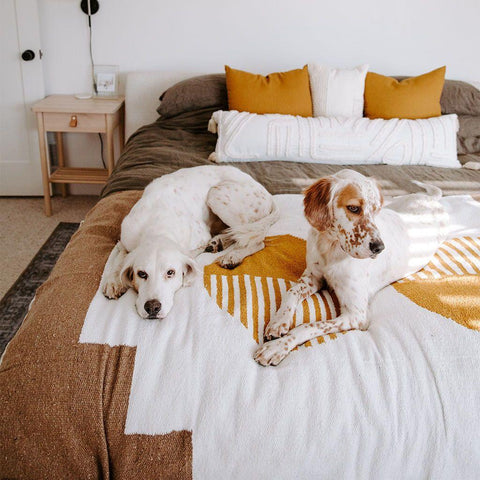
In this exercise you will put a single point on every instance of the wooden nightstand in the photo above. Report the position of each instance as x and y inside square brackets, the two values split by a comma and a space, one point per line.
[65, 113]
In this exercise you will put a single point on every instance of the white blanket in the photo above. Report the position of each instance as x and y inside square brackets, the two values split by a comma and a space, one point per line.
[400, 400]
[246, 136]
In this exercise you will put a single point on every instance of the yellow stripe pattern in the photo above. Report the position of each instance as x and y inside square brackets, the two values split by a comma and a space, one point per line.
[459, 256]
[252, 293]
[450, 283]
[252, 300]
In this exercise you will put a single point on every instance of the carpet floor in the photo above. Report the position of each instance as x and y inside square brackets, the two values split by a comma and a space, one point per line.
[15, 304]
[24, 228]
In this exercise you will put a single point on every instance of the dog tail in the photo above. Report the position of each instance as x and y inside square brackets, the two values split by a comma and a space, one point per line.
[253, 233]
[432, 190]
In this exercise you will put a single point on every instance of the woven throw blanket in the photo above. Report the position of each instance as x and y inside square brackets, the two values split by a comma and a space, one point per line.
[244, 136]
[397, 401]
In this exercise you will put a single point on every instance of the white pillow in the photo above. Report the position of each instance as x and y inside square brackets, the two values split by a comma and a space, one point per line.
[244, 136]
[337, 92]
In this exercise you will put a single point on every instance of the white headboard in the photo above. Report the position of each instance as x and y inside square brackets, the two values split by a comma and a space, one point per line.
[142, 90]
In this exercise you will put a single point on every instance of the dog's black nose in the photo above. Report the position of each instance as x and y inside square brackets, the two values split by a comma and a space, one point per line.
[152, 307]
[377, 246]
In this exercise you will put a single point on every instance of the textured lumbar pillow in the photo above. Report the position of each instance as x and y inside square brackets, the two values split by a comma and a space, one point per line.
[415, 97]
[336, 140]
[285, 92]
[337, 92]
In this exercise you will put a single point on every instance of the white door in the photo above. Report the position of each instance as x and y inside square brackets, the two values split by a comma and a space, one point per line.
[21, 85]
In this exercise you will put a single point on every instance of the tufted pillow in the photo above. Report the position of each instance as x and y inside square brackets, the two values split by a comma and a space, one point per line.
[196, 93]
[246, 137]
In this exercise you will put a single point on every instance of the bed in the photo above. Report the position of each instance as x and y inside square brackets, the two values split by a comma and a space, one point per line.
[89, 390]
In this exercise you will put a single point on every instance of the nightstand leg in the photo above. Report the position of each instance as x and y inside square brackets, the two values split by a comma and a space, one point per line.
[43, 160]
[110, 151]
[121, 130]
[61, 161]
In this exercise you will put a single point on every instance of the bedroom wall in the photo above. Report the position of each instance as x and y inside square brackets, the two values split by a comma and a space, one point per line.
[394, 37]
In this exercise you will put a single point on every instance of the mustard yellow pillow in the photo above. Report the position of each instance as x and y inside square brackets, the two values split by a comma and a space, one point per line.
[415, 97]
[287, 93]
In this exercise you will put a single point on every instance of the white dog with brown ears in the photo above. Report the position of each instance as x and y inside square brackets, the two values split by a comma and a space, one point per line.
[349, 230]
[174, 220]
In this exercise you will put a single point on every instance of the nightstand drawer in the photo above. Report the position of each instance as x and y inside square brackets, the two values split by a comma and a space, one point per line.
[74, 122]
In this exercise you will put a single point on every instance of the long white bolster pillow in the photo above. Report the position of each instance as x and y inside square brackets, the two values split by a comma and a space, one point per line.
[244, 136]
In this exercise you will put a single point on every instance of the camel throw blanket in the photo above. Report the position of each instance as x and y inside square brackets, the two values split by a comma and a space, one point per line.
[89, 389]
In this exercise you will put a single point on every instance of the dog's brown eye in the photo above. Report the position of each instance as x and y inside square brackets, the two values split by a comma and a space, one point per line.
[142, 274]
[170, 273]
[353, 208]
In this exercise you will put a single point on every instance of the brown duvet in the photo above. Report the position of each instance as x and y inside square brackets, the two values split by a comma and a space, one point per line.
[183, 141]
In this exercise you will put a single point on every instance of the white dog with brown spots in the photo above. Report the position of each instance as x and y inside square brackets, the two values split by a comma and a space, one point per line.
[349, 230]
[174, 221]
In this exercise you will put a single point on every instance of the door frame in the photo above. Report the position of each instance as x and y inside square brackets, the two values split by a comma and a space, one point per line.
[33, 86]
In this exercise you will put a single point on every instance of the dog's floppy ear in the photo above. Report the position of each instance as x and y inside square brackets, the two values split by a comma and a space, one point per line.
[127, 274]
[379, 187]
[317, 204]
[190, 271]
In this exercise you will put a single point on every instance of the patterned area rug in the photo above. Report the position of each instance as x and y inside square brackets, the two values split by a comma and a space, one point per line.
[14, 305]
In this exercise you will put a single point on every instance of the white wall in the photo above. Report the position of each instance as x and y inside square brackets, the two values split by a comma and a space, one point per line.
[393, 36]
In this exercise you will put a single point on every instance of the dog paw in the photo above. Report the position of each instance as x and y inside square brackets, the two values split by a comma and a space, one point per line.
[272, 353]
[113, 290]
[276, 330]
[230, 261]
[279, 325]
[229, 266]
[215, 245]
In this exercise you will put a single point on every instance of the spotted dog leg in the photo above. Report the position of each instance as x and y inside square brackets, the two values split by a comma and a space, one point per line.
[218, 243]
[235, 255]
[353, 299]
[240, 205]
[273, 352]
[281, 323]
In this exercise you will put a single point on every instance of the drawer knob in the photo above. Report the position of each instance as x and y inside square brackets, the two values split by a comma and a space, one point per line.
[73, 121]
